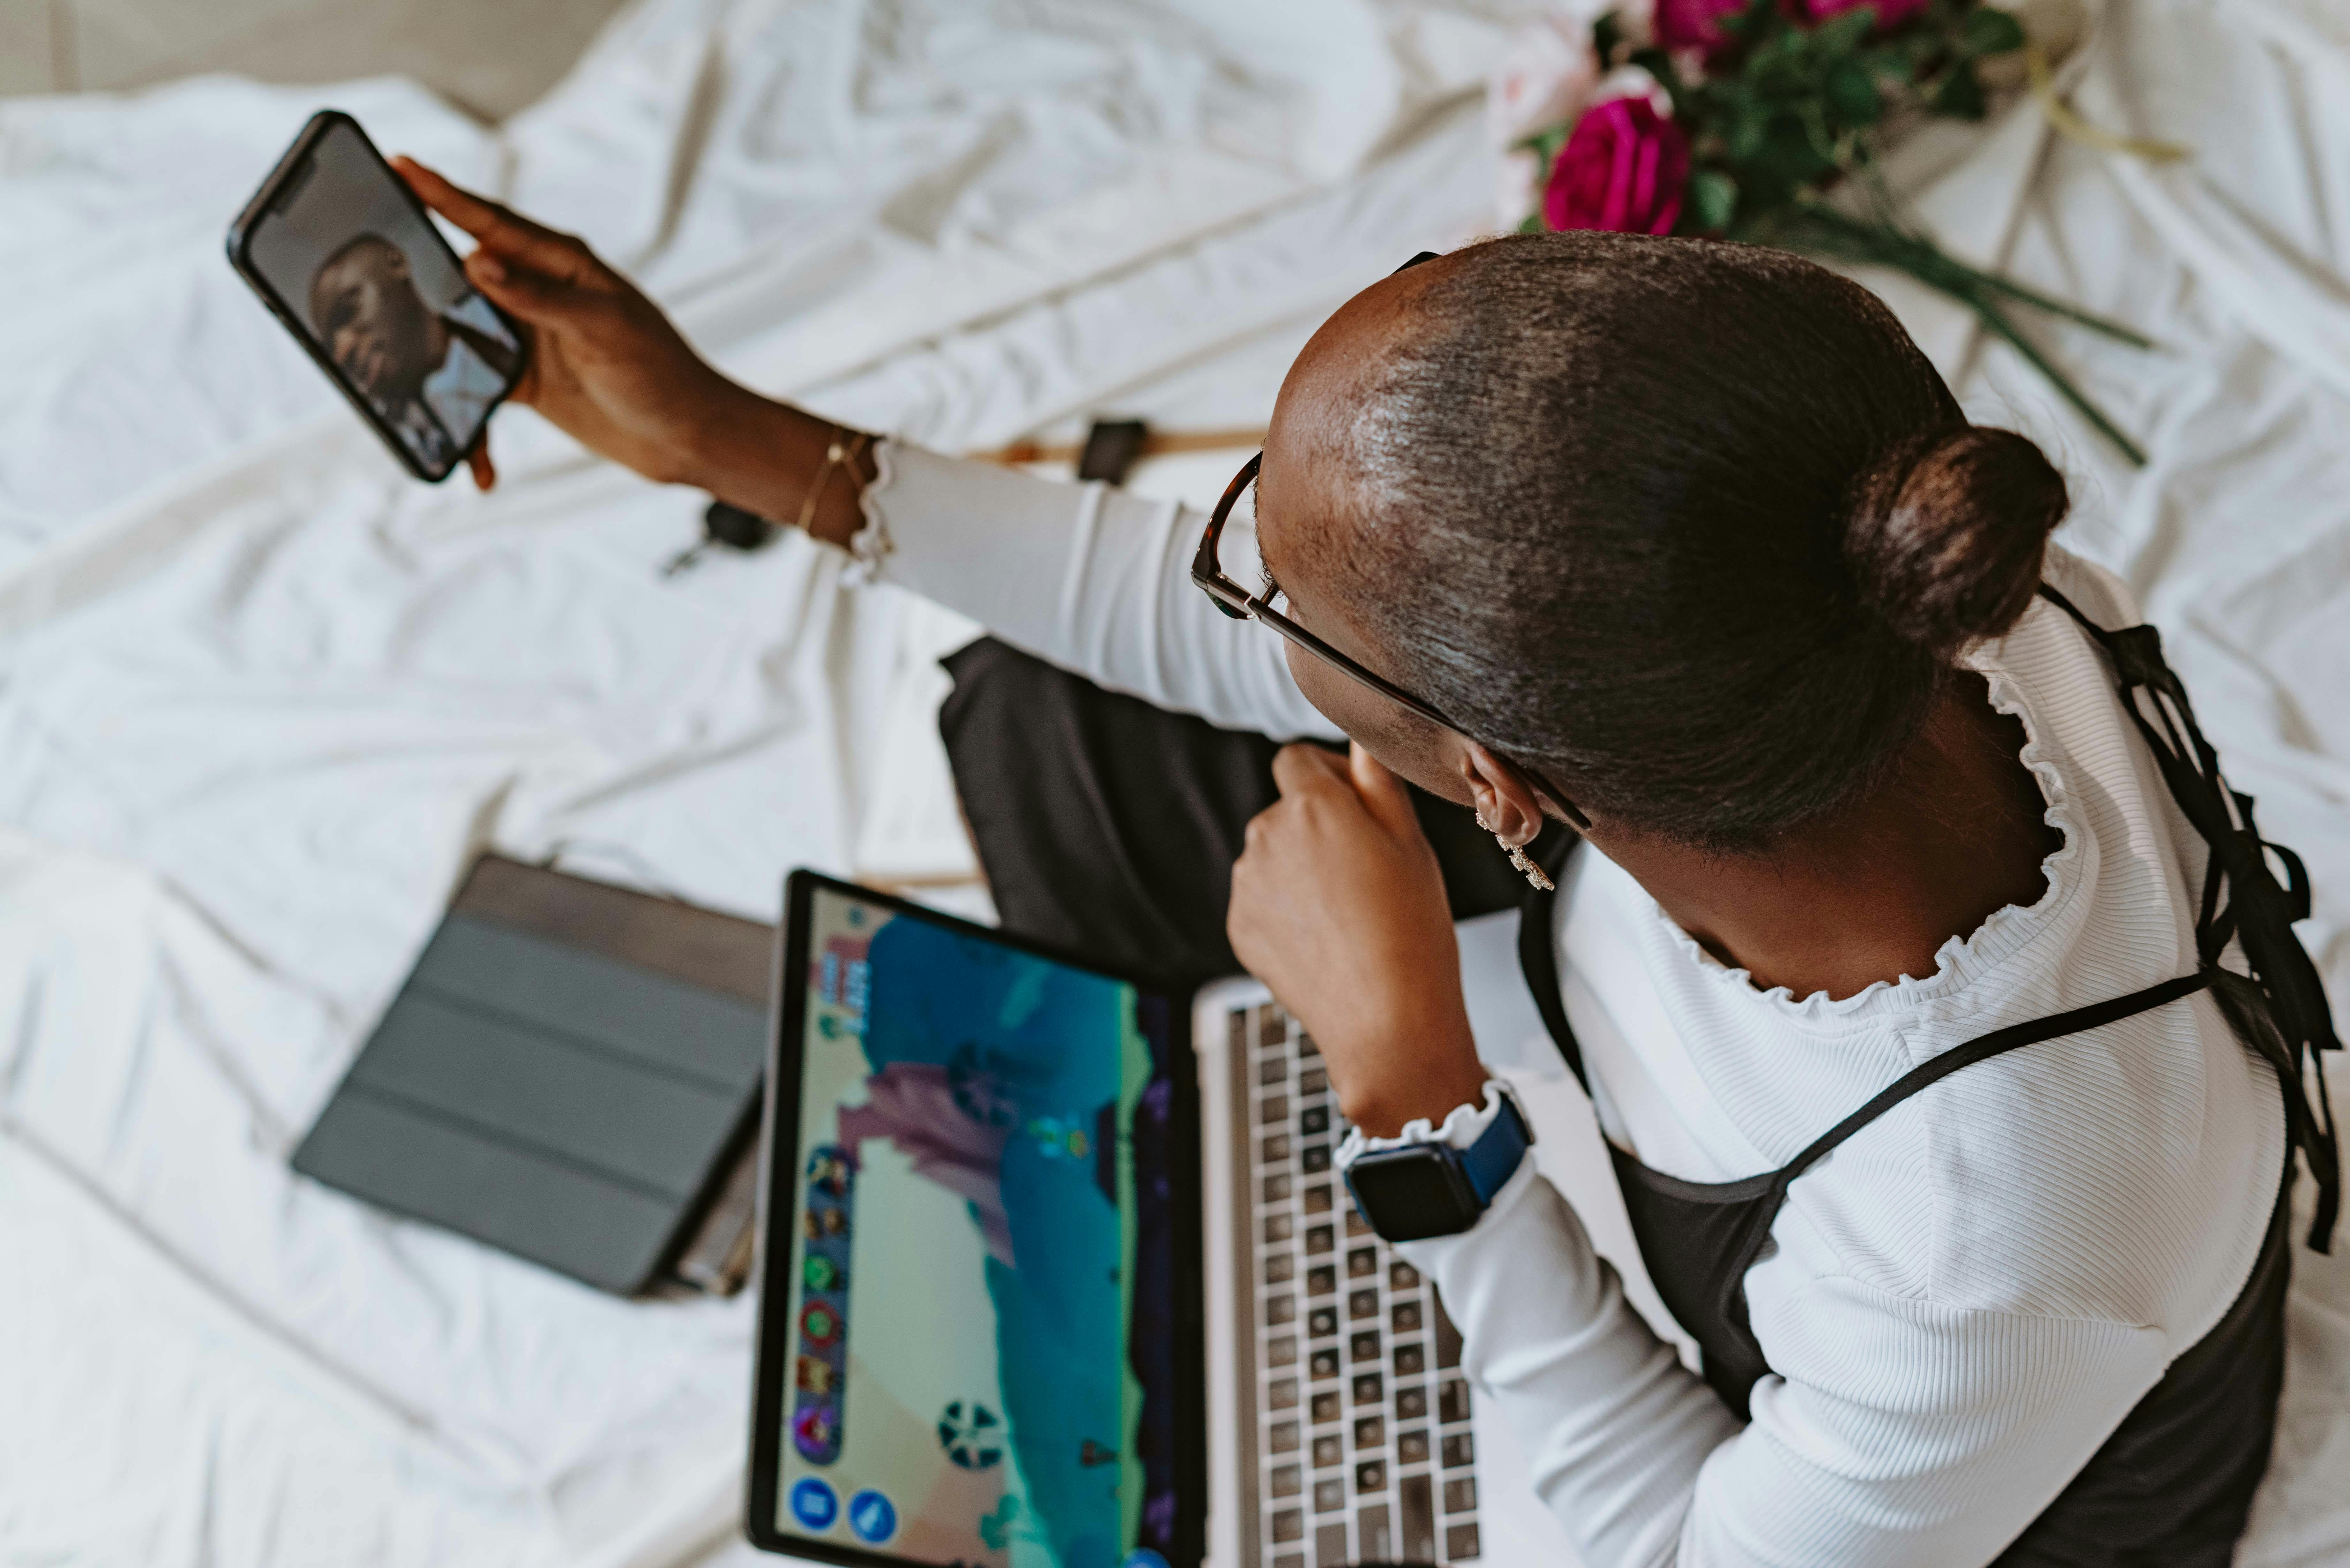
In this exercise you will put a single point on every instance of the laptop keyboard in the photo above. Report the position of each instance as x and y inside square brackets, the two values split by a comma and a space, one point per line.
[1363, 1449]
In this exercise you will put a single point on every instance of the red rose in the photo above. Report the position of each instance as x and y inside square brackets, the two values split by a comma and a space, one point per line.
[1889, 12]
[1622, 169]
[1694, 23]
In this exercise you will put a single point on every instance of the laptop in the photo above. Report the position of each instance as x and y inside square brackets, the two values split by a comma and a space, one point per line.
[1057, 1268]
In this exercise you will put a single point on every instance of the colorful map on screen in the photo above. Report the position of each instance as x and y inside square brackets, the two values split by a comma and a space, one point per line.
[982, 1258]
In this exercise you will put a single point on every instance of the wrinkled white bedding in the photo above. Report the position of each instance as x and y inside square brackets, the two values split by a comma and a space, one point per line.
[261, 696]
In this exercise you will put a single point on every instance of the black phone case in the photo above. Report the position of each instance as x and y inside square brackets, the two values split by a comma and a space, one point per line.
[240, 234]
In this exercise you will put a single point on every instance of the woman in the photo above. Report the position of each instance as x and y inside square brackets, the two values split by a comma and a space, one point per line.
[1885, 890]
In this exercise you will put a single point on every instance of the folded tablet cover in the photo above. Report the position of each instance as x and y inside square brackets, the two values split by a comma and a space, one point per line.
[561, 1075]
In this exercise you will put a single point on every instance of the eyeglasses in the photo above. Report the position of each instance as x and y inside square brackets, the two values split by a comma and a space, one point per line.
[1240, 605]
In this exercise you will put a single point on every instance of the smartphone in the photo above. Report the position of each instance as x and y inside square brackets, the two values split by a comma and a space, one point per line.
[341, 252]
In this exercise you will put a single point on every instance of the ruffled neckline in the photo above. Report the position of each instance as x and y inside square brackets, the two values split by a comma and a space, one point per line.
[1962, 960]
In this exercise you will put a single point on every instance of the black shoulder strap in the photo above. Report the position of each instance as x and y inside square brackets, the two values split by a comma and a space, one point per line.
[1538, 960]
[2282, 1014]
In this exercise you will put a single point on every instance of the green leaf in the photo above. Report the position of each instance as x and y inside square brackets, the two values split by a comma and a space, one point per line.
[1533, 223]
[1607, 37]
[1712, 200]
[1990, 31]
[1843, 35]
[1851, 95]
[1960, 95]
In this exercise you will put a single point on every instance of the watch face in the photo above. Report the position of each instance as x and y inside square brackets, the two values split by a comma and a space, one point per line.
[1412, 1192]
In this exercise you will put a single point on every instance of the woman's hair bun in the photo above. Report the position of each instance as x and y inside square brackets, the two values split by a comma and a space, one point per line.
[1947, 532]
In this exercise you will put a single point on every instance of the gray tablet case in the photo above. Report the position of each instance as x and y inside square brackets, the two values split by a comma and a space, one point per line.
[570, 1072]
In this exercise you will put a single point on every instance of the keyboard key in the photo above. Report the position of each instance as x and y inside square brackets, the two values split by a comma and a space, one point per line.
[1289, 1525]
[1314, 1120]
[1326, 1409]
[1318, 1198]
[1290, 1559]
[1416, 1501]
[1282, 1394]
[1411, 1448]
[1363, 1346]
[1362, 1305]
[1276, 1188]
[1313, 1081]
[1271, 1071]
[1405, 1317]
[1280, 1309]
[1458, 1450]
[1369, 1388]
[1448, 1339]
[1313, 1157]
[1411, 1404]
[1323, 1364]
[1453, 1402]
[1460, 1541]
[1280, 1228]
[1330, 1497]
[1411, 1360]
[1363, 1263]
[1283, 1436]
[1322, 1322]
[1372, 1532]
[1318, 1239]
[1321, 1280]
[1461, 1496]
[1275, 1148]
[1370, 1476]
[1326, 1451]
[1330, 1545]
[1402, 1276]
[1356, 1224]
[1288, 1481]
[1371, 1432]
[1272, 1025]
[1281, 1351]
[1306, 1046]
[1273, 1110]
[1280, 1269]
[1236, 1030]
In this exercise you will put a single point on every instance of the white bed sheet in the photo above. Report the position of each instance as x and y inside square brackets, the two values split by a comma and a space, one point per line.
[261, 697]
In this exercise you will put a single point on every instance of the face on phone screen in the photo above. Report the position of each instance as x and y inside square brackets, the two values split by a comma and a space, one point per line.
[362, 273]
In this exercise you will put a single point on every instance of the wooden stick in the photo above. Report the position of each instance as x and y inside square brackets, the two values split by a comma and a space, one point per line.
[1157, 443]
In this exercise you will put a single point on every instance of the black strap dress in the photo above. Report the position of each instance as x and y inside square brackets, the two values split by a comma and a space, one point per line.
[2175, 1481]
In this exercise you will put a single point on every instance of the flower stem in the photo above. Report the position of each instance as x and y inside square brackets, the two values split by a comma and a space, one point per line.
[1830, 232]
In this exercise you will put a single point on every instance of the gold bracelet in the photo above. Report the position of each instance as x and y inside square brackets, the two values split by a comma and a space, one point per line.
[837, 454]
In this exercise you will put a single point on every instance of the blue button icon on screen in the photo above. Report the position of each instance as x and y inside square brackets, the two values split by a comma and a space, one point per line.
[873, 1517]
[813, 1505]
[1143, 1557]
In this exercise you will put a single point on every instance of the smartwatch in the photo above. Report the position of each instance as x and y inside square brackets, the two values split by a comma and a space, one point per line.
[1421, 1190]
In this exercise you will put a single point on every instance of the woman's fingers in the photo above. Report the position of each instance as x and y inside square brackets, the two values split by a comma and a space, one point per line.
[531, 294]
[1382, 793]
[1300, 767]
[485, 473]
[499, 227]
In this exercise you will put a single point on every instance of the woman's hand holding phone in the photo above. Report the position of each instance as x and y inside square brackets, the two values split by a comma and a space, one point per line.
[607, 367]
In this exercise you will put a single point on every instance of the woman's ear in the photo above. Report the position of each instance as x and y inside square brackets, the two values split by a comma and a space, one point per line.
[1505, 800]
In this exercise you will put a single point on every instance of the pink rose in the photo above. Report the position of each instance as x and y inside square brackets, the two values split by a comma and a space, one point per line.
[1622, 169]
[1889, 12]
[1696, 24]
[1547, 81]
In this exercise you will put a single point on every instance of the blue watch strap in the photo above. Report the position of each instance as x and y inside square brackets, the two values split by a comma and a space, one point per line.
[1493, 1160]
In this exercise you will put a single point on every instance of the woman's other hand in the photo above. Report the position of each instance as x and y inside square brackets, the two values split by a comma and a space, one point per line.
[1339, 906]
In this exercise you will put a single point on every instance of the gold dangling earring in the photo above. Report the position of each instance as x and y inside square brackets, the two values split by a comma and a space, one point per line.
[1520, 859]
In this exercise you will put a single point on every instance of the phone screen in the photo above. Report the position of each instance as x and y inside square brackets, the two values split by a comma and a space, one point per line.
[358, 269]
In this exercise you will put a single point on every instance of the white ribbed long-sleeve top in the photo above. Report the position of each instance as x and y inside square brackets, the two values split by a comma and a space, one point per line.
[1962, 1301]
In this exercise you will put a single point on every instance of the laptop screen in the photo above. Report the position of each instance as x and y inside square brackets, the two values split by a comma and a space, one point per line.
[976, 1357]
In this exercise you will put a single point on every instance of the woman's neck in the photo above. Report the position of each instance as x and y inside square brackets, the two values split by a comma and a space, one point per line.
[1873, 892]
